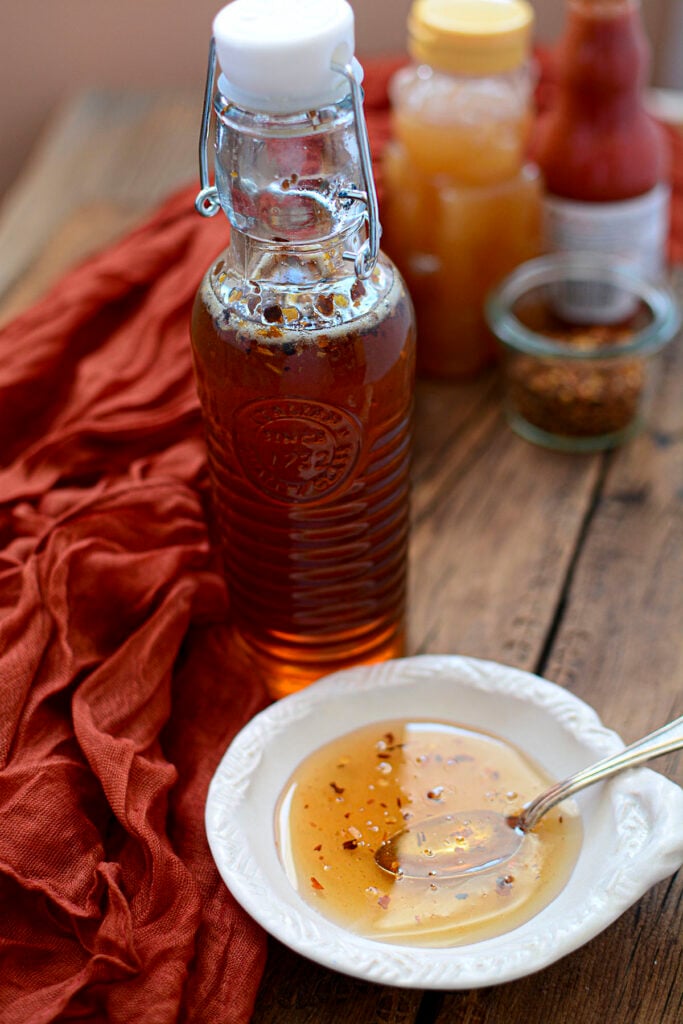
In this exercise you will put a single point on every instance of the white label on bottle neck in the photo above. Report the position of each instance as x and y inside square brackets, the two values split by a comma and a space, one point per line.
[634, 230]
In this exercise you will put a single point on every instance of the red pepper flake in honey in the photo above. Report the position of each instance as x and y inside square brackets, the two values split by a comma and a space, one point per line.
[350, 844]
[325, 305]
[357, 290]
[338, 789]
[315, 883]
[384, 901]
[273, 314]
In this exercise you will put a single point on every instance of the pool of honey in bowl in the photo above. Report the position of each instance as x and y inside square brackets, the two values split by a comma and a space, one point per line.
[350, 795]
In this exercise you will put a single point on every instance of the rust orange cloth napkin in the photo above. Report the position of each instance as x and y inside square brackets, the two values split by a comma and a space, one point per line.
[116, 698]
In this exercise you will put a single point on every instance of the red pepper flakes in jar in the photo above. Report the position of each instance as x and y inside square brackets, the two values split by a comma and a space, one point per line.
[578, 398]
[579, 331]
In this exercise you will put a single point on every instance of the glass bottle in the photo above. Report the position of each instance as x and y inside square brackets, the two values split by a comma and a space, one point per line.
[462, 203]
[303, 347]
[604, 159]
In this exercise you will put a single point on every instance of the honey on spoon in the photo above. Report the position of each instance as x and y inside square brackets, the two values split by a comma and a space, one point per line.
[459, 844]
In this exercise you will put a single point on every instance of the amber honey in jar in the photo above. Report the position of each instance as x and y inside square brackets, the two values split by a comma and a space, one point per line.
[462, 204]
[303, 346]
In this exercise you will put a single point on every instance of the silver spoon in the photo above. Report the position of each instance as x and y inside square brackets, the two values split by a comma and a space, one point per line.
[452, 845]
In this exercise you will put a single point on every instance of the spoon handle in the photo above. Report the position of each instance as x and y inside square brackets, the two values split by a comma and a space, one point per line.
[662, 741]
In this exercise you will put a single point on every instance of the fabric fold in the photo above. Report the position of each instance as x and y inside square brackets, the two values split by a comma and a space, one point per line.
[118, 695]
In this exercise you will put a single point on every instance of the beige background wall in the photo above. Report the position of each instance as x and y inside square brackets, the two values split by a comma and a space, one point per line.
[52, 48]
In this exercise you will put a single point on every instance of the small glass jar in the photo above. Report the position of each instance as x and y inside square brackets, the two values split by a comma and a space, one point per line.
[579, 383]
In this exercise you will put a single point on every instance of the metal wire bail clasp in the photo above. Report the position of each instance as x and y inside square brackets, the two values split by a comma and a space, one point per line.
[365, 259]
[207, 202]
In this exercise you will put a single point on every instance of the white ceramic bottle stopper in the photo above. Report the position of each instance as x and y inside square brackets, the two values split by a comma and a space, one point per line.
[278, 55]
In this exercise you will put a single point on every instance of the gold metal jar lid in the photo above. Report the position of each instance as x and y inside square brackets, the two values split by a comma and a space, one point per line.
[471, 37]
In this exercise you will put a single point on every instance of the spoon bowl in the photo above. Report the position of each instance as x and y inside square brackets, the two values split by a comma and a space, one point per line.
[450, 846]
[456, 844]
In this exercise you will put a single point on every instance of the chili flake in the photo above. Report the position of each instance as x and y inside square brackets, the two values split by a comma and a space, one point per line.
[357, 290]
[325, 305]
[273, 314]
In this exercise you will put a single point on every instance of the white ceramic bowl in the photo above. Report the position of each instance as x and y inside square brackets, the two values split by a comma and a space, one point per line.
[633, 824]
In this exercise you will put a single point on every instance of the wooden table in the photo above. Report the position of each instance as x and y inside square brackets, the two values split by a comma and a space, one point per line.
[568, 566]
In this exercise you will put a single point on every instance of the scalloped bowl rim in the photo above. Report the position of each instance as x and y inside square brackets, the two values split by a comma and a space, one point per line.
[633, 823]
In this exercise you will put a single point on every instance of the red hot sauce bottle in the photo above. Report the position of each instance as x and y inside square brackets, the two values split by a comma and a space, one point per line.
[303, 346]
[604, 159]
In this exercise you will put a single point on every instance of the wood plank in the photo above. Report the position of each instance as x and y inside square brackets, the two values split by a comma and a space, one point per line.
[80, 234]
[618, 646]
[298, 991]
[622, 625]
[496, 521]
[103, 150]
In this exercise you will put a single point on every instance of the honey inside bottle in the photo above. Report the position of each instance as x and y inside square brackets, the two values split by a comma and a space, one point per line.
[308, 433]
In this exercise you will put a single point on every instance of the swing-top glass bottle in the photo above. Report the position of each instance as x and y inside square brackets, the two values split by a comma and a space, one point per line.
[303, 346]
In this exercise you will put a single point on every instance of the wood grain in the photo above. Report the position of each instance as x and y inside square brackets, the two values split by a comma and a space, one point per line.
[571, 566]
[295, 990]
[495, 526]
[122, 151]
